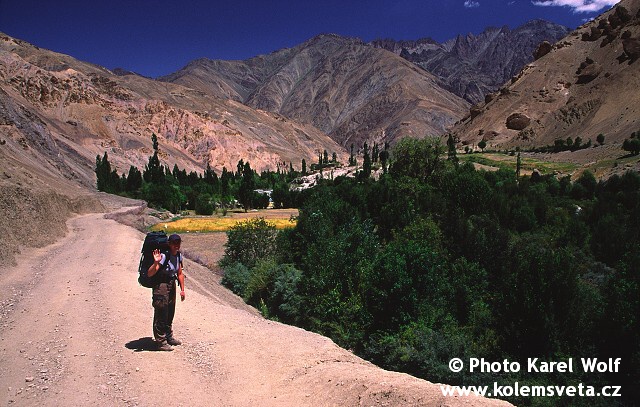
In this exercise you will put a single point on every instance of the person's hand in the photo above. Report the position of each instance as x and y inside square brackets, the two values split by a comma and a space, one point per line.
[157, 256]
[182, 295]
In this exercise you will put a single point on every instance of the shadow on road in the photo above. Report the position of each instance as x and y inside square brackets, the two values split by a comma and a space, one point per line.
[142, 344]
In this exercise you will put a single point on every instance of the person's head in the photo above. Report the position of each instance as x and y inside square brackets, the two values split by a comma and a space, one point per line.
[174, 243]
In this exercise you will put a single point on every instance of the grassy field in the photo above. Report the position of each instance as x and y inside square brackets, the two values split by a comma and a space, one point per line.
[528, 164]
[209, 224]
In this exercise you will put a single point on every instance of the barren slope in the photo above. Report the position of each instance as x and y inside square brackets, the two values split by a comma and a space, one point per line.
[76, 331]
[473, 65]
[347, 89]
[586, 85]
[86, 110]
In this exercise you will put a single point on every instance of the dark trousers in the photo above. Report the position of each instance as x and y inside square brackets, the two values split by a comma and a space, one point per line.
[164, 308]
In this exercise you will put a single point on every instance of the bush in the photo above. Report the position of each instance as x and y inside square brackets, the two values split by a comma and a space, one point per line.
[250, 241]
[260, 281]
[204, 205]
[273, 288]
[236, 277]
[285, 294]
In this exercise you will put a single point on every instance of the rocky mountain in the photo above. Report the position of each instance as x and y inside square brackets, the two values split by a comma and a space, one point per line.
[61, 113]
[582, 86]
[472, 66]
[349, 90]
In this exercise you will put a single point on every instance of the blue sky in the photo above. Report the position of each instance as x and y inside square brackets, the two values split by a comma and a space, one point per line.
[158, 37]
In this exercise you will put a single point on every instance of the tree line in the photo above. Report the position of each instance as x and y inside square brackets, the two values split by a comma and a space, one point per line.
[176, 190]
[437, 260]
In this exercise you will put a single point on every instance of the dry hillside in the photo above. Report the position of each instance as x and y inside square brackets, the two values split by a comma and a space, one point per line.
[473, 65]
[86, 110]
[57, 114]
[584, 85]
[350, 90]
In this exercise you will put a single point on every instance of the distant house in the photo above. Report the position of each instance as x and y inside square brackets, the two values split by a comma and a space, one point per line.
[264, 192]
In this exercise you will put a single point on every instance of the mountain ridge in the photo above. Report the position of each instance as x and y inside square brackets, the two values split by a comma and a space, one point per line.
[95, 109]
[472, 66]
[347, 89]
[585, 85]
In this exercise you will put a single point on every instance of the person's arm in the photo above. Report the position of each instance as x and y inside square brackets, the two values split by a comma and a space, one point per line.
[157, 261]
[181, 281]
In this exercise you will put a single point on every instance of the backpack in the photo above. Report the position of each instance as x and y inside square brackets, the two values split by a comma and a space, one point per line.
[152, 241]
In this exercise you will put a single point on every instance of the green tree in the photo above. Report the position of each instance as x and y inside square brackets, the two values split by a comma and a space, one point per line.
[577, 143]
[211, 178]
[600, 139]
[134, 180]
[247, 185]
[482, 144]
[632, 145]
[204, 204]
[103, 173]
[417, 158]
[250, 241]
[352, 158]
[153, 172]
[569, 142]
[375, 154]
[384, 157]
[451, 150]
[366, 164]
[107, 179]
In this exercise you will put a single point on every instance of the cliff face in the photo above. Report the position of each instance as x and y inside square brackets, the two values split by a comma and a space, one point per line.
[345, 88]
[63, 112]
[472, 66]
[587, 84]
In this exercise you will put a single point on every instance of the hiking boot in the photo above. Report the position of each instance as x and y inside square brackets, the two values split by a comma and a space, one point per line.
[173, 341]
[164, 346]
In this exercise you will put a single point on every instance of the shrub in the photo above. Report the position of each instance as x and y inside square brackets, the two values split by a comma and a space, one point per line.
[250, 241]
[204, 205]
[236, 277]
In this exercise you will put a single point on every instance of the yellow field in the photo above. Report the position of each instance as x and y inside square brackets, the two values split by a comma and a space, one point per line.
[213, 224]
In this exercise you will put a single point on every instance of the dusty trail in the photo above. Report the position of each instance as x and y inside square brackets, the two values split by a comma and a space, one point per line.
[75, 329]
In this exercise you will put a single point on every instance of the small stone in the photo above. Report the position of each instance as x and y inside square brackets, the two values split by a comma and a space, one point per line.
[28, 379]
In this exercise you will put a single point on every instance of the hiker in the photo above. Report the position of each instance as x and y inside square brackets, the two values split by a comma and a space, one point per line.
[164, 292]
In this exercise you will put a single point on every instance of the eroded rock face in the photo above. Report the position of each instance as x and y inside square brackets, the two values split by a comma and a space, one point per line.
[588, 71]
[518, 121]
[543, 49]
[472, 66]
[475, 111]
[347, 89]
[67, 111]
[604, 102]
[631, 47]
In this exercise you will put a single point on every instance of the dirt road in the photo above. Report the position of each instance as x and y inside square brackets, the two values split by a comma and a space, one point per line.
[75, 330]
